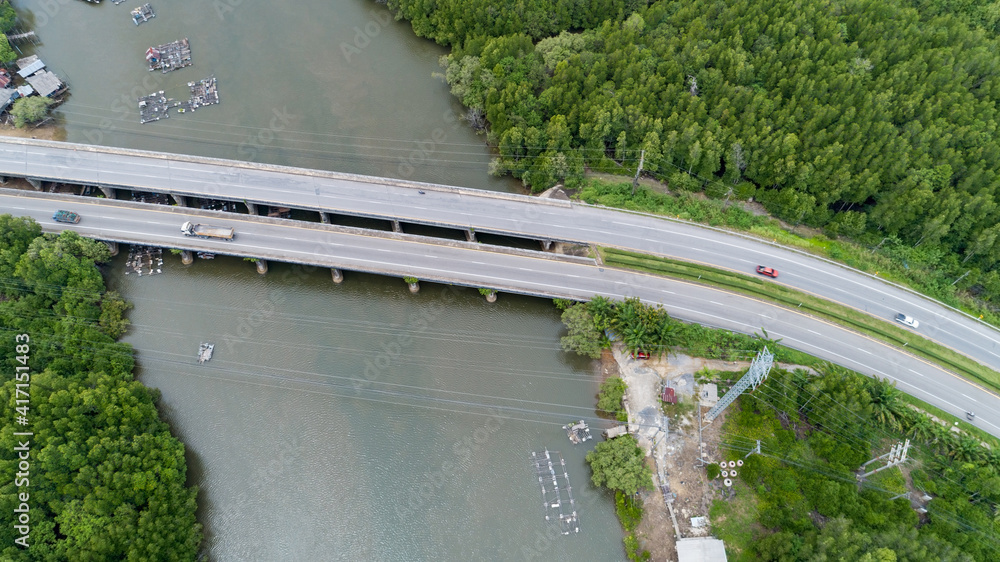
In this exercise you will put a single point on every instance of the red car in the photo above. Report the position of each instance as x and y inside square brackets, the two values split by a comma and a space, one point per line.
[640, 355]
[769, 271]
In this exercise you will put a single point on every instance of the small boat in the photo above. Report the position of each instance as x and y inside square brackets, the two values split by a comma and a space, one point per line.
[205, 352]
[206, 256]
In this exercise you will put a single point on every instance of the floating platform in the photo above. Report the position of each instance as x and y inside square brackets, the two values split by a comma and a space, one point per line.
[557, 494]
[205, 352]
[578, 432]
[203, 92]
[143, 14]
[144, 260]
[171, 56]
[157, 106]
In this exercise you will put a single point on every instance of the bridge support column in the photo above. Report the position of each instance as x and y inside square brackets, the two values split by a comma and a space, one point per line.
[187, 258]
[113, 247]
[262, 266]
[338, 277]
[491, 296]
[414, 287]
[396, 227]
[546, 245]
[35, 183]
[179, 200]
[324, 218]
[3, 180]
[251, 207]
[470, 235]
[108, 192]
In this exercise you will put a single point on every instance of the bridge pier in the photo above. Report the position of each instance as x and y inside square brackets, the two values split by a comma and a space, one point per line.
[262, 266]
[546, 245]
[187, 258]
[470, 235]
[491, 297]
[35, 183]
[108, 192]
[179, 200]
[414, 287]
[338, 277]
[325, 219]
[113, 247]
[251, 207]
[397, 228]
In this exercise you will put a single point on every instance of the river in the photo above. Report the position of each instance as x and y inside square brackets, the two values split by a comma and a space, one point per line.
[327, 85]
[362, 422]
[335, 422]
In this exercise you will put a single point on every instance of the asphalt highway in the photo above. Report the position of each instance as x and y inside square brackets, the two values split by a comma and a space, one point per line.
[534, 273]
[498, 213]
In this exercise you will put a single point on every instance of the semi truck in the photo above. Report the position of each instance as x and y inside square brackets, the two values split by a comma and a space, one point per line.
[204, 231]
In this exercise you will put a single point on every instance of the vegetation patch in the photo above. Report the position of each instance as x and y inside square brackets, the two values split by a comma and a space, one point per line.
[107, 479]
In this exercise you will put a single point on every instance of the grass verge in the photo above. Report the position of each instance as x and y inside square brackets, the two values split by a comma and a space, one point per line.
[840, 314]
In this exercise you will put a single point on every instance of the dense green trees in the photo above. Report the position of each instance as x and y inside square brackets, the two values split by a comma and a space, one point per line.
[619, 464]
[29, 110]
[866, 117]
[815, 432]
[107, 480]
[609, 399]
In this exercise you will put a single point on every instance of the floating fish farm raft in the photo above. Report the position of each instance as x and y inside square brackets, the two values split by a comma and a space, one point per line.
[157, 106]
[143, 14]
[557, 494]
[170, 56]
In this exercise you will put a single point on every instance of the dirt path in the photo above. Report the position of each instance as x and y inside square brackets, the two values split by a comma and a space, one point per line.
[677, 452]
[45, 132]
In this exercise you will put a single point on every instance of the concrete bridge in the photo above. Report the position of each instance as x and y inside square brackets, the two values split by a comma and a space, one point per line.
[402, 203]
[507, 270]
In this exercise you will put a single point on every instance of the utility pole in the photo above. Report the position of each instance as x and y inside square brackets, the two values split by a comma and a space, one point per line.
[635, 182]
[953, 282]
[896, 456]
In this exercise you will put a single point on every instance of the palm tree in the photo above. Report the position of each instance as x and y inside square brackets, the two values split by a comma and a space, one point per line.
[887, 404]
[967, 449]
[923, 429]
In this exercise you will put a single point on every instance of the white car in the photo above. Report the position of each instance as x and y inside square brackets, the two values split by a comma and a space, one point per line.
[907, 320]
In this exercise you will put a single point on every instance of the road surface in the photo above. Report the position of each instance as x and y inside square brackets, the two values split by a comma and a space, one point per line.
[493, 212]
[533, 273]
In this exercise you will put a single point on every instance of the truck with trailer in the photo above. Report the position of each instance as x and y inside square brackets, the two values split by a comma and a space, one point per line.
[205, 231]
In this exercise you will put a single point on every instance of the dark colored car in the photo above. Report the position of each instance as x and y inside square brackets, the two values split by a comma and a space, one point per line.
[769, 271]
[66, 216]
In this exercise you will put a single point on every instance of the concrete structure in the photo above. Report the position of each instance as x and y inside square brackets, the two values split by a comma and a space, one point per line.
[701, 549]
[489, 212]
[505, 269]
